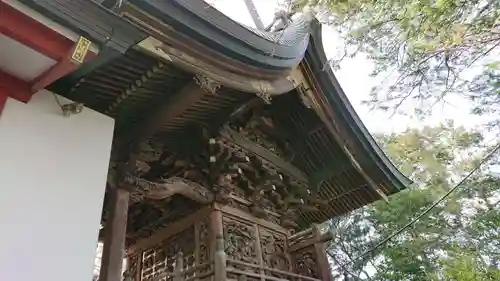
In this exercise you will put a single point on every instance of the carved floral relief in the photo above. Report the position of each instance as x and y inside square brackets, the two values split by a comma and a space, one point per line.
[239, 239]
[204, 242]
[273, 249]
[305, 263]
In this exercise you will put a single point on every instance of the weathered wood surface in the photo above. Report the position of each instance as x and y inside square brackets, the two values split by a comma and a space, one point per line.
[168, 188]
[114, 241]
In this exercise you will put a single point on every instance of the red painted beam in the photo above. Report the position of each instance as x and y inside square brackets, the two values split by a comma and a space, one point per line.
[33, 34]
[65, 66]
[41, 39]
[13, 87]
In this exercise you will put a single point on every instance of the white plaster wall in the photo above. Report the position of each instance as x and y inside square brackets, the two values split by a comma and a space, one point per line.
[52, 181]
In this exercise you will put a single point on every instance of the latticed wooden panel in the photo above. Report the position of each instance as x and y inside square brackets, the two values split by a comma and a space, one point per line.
[162, 257]
[158, 263]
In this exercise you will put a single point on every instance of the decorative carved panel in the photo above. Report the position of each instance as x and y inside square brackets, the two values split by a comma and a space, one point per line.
[305, 263]
[239, 239]
[209, 85]
[273, 245]
[149, 217]
[203, 242]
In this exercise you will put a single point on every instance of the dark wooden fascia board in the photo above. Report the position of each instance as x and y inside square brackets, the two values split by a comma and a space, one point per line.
[367, 150]
[205, 24]
[92, 20]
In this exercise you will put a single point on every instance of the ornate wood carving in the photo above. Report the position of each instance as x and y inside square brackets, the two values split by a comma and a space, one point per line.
[148, 217]
[257, 251]
[269, 182]
[239, 241]
[243, 165]
[265, 96]
[209, 85]
[147, 152]
[168, 188]
[203, 242]
[305, 263]
[273, 246]
[305, 99]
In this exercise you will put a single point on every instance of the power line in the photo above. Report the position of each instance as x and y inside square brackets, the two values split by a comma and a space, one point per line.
[416, 219]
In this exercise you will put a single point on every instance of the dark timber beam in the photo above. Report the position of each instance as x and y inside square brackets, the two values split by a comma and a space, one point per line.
[133, 86]
[193, 92]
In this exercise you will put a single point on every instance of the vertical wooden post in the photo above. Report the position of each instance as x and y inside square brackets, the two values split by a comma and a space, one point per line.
[258, 250]
[114, 238]
[220, 264]
[215, 220]
[321, 256]
[217, 245]
[179, 267]
[197, 243]
[138, 275]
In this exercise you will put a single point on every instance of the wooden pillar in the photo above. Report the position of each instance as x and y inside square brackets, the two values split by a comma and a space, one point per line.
[220, 264]
[114, 237]
[321, 256]
[215, 220]
[258, 251]
[217, 245]
[179, 267]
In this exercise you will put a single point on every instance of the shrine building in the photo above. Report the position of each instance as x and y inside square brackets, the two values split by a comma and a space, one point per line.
[193, 147]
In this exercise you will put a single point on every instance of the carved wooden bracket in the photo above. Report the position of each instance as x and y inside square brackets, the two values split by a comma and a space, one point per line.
[304, 97]
[265, 96]
[269, 158]
[168, 188]
[207, 84]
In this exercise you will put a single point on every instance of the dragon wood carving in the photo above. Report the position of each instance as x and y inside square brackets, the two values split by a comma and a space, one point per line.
[168, 188]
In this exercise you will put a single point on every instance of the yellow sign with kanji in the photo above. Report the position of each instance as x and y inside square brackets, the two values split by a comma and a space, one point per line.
[81, 50]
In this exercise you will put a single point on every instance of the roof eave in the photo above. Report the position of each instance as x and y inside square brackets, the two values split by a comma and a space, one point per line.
[200, 21]
[368, 153]
[92, 20]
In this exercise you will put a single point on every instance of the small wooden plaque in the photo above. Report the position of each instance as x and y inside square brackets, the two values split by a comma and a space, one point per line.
[81, 50]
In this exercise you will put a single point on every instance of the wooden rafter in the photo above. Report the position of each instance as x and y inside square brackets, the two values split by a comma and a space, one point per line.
[187, 96]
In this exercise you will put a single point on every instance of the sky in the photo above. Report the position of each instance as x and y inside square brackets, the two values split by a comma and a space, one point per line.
[354, 78]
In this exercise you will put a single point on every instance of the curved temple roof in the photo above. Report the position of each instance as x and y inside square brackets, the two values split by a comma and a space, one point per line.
[190, 38]
[301, 41]
[197, 19]
[365, 150]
